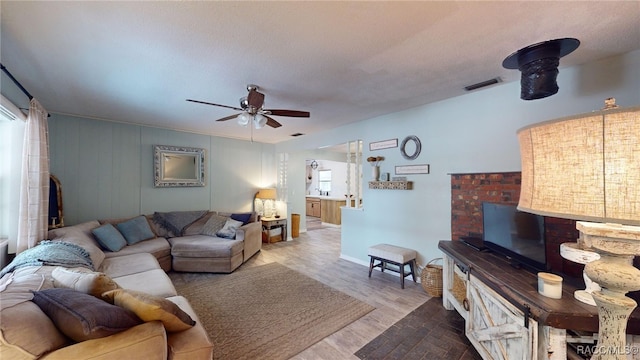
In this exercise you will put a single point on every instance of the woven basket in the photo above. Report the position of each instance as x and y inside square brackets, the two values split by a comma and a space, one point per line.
[459, 289]
[431, 278]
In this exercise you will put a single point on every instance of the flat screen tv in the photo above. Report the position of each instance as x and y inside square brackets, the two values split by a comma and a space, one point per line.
[515, 234]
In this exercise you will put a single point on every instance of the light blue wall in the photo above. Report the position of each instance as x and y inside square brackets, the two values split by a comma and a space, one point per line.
[471, 133]
[106, 170]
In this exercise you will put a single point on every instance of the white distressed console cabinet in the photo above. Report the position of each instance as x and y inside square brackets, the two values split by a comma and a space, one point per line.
[505, 316]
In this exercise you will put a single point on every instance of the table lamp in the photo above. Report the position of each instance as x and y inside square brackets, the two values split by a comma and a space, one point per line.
[587, 168]
[264, 195]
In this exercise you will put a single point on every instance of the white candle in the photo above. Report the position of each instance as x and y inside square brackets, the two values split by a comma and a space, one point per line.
[550, 285]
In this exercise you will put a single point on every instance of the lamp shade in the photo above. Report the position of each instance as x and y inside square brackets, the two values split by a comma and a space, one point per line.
[259, 121]
[244, 118]
[266, 194]
[584, 167]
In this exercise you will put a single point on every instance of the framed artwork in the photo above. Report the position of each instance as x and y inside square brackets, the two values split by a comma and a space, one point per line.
[384, 144]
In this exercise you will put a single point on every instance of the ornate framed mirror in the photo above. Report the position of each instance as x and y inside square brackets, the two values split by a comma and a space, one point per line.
[175, 166]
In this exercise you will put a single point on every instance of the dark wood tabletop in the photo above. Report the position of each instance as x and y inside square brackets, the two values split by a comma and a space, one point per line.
[520, 287]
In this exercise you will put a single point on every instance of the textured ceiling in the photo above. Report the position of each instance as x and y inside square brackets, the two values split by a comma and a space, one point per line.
[137, 62]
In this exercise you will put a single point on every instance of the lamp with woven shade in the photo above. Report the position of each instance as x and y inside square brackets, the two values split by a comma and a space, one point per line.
[264, 195]
[587, 168]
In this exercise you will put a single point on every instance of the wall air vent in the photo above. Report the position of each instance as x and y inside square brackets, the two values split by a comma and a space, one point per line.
[483, 84]
[297, 134]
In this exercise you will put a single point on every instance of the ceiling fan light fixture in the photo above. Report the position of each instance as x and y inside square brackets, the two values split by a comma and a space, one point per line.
[259, 121]
[243, 119]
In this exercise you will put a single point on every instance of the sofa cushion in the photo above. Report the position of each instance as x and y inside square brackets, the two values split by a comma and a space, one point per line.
[149, 308]
[109, 237]
[83, 280]
[146, 341]
[118, 266]
[80, 234]
[20, 318]
[213, 225]
[203, 246]
[135, 230]
[229, 229]
[27, 332]
[81, 316]
[190, 344]
[15, 290]
[155, 282]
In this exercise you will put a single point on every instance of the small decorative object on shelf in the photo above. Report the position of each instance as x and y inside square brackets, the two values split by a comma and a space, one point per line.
[375, 170]
[391, 185]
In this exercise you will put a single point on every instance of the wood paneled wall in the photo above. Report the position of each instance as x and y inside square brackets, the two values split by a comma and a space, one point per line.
[106, 170]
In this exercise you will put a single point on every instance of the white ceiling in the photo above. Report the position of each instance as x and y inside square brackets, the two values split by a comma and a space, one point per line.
[342, 61]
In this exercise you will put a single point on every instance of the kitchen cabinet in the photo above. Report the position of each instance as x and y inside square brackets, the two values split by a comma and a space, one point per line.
[313, 207]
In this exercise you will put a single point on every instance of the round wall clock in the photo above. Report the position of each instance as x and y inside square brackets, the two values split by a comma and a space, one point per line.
[414, 147]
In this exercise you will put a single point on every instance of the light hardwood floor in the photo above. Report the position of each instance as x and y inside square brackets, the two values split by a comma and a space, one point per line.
[316, 253]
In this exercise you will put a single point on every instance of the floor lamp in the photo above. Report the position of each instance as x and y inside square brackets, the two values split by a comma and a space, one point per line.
[265, 195]
[587, 168]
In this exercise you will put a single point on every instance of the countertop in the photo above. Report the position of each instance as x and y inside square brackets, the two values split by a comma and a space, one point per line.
[324, 197]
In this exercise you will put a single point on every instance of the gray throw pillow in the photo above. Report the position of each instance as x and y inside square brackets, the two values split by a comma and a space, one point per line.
[82, 316]
[213, 225]
[136, 230]
[229, 229]
[109, 237]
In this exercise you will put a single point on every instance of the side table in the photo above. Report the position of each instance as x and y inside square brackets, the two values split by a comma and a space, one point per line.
[274, 223]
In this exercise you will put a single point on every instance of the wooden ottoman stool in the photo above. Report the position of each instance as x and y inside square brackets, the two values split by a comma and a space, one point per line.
[395, 255]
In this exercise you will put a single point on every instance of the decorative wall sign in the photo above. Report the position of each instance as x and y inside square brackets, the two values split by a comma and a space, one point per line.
[384, 144]
[417, 147]
[412, 169]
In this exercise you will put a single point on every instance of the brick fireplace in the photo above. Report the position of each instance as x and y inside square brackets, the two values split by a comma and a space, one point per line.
[468, 191]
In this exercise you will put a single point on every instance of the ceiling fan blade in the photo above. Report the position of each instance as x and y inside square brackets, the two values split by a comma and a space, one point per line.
[271, 122]
[208, 103]
[255, 98]
[228, 117]
[291, 113]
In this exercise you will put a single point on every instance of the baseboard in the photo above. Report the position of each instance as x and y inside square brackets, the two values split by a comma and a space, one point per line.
[354, 260]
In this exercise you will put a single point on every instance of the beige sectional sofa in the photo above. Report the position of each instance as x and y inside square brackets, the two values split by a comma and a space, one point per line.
[26, 332]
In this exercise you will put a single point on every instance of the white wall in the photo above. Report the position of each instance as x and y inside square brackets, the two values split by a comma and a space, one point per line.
[471, 133]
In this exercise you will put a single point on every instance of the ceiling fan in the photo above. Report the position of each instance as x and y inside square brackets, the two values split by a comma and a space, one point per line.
[252, 110]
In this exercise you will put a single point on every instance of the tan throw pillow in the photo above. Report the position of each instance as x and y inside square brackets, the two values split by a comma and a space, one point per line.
[83, 280]
[149, 308]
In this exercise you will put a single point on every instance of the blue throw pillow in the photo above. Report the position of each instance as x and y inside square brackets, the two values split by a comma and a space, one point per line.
[244, 217]
[109, 237]
[136, 230]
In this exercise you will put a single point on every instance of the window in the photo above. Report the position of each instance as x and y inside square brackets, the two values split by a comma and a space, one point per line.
[11, 137]
[324, 181]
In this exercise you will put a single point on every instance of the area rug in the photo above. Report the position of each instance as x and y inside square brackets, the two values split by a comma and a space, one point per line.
[428, 332]
[268, 311]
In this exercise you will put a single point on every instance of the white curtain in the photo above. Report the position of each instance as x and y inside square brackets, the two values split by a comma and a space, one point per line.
[34, 188]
